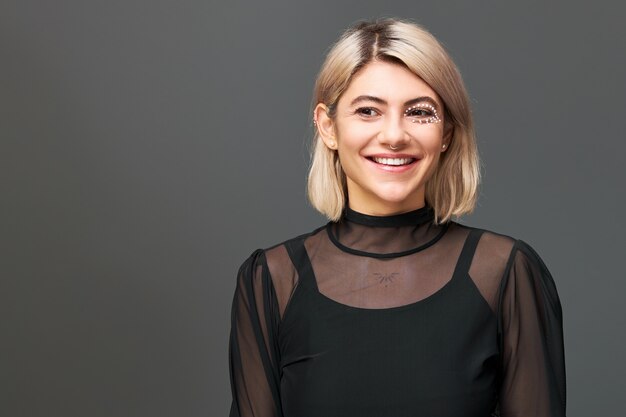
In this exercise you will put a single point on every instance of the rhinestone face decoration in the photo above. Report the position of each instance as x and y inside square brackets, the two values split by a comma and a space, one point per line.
[429, 113]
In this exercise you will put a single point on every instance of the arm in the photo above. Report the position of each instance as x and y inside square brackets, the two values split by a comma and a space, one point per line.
[530, 332]
[253, 349]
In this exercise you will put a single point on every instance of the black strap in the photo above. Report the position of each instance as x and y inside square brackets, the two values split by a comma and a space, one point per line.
[467, 253]
[302, 263]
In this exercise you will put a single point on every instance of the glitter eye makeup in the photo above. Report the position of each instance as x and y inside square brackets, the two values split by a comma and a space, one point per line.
[423, 113]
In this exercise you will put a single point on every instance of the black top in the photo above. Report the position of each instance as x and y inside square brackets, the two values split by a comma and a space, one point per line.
[396, 316]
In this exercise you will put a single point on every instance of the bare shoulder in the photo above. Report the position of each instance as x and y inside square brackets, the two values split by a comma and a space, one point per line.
[281, 269]
[490, 263]
[277, 256]
[495, 246]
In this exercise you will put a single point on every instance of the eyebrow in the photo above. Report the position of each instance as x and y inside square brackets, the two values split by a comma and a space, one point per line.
[381, 101]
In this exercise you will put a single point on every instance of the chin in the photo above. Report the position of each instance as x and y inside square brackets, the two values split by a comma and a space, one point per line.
[395, 198]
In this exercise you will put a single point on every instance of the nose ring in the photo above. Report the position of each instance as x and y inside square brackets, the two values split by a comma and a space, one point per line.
[393, 148]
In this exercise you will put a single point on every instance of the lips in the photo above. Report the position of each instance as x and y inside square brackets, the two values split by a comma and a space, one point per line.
[393, 162]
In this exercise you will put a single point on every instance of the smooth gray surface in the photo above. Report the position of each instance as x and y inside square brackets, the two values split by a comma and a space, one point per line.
[148, 147]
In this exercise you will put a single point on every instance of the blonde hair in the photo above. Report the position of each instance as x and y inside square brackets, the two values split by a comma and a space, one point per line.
[453, 187]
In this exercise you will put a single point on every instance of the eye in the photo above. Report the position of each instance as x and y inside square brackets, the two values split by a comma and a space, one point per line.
[423, 113]
[419, 112]
[367, 112]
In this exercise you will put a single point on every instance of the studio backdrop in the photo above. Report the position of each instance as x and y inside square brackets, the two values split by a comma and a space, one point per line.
[148, 147]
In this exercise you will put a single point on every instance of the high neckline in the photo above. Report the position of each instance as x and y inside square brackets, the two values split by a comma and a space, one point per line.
[409, 218]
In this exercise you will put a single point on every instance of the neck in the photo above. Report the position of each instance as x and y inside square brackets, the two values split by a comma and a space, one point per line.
[385, 209]
[409, 218]
[393, 234]
[366, 202]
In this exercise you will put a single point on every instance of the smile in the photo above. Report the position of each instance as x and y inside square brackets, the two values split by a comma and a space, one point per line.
[392, 161]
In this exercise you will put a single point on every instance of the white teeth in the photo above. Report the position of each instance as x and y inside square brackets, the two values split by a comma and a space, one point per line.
[393, 161]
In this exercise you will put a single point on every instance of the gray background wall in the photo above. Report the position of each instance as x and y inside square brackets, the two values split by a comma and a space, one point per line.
[148, 147]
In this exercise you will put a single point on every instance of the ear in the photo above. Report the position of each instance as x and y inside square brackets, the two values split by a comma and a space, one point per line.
[325, 125]
[448, 132]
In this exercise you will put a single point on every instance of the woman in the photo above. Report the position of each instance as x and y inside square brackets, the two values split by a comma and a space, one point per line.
[393, 308]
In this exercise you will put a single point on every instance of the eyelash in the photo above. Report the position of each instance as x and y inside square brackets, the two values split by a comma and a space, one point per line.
[360, 109]
[430, 116]
[429, 113]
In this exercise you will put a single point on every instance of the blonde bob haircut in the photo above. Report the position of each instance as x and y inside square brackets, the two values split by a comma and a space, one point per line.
[453, 187]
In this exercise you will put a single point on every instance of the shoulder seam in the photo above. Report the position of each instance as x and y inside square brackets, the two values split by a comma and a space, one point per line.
[492, 232]
[299, 237]
[252, 258]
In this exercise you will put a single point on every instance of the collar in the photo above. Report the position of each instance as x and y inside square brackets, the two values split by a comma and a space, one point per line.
[409, 218]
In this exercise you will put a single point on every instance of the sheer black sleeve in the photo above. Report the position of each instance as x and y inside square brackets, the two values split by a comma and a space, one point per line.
[253, 352]
[531, 338]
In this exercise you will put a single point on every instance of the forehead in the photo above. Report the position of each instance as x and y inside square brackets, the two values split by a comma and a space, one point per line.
[391, 82]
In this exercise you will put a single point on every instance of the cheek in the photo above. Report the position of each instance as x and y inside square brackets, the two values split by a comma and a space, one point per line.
[357, 134]
[431, 141]
[351, 145]
[349, 161]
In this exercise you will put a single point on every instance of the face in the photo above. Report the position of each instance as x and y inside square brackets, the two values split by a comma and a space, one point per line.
[389, 133]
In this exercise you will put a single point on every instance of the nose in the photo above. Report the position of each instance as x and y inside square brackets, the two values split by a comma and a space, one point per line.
[393, 134]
